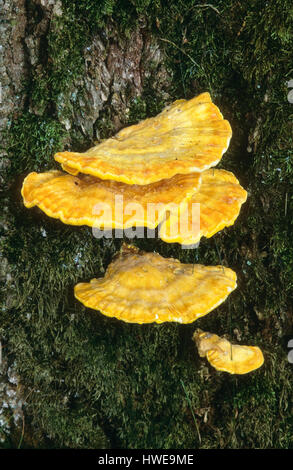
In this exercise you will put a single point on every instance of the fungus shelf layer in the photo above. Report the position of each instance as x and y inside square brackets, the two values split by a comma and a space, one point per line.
[141, 287]
[86, 200]
[227, 357]
[220, 197]
[187, 136]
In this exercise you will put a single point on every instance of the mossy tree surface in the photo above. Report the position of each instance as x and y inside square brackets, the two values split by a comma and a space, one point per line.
[91, 381]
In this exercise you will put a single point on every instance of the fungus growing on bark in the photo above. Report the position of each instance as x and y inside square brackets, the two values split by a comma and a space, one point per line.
[86, 200]
[141, 287]
[220, 197]
[227, 357]
[186, 137]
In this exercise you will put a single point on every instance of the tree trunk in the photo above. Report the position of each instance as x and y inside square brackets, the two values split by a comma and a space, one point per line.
[73, 72]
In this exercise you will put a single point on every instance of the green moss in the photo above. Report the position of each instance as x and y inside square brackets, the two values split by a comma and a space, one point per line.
[32, 141]
[147, 105]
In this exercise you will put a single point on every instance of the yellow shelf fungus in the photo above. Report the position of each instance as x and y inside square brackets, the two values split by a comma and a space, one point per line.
[141, 287]
[186, 137]
[86, 200]
[220, 197]
[227, 357]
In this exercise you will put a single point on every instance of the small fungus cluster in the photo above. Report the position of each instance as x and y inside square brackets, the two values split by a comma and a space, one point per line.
[165, 161]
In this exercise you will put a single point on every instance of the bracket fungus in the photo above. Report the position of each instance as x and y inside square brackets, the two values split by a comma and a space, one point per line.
[227, 357]
[141, 287]
[86, 200]
[186, 137]
[164, 163]
[220, 197]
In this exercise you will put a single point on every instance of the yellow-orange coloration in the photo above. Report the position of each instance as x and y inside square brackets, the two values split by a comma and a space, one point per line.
[220, 197]
[86, 200]
[141, 287]
[186, 137]
[227, 357]
[69, 170]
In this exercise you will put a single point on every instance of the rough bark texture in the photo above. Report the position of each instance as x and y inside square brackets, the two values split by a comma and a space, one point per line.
[13, 67]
